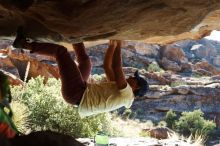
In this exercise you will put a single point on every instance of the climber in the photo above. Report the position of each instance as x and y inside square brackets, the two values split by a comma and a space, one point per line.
[90, 98]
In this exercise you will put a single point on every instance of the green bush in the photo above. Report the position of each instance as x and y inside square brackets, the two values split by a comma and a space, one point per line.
[170, 118]
[20, 116]
[154, 67]
[48, 110]
[126, 114]
[190, 123]
[162, 124]
[194, 123]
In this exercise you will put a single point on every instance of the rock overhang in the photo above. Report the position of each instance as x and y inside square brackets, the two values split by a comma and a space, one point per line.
[152, 21]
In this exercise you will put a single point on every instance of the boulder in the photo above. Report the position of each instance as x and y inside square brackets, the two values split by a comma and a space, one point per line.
[7, 65]
[186, 66]
[170, 65]
[39, 65]
[181, 89]
[201, 51]
[141, 48]
[13, 80]
[173, 54]
[206, 66]
[159, 79]
[159, 132]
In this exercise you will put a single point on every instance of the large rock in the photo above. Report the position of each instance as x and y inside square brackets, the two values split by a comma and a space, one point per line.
[170, 65]
[7, 65]
[159, 79]
[75, 20]
[181, 89]
[38, 66]
[207, 67]
[13, 80]
[151, 50]
[173, 54]
[159, 132]
[202, 51]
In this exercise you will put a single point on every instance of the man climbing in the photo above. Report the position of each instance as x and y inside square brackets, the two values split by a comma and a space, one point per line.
[90, 98]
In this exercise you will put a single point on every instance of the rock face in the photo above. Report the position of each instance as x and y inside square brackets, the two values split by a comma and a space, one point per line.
[74, 20]
[170, 65]
[207, 67]
[173, 54]
[16, 64]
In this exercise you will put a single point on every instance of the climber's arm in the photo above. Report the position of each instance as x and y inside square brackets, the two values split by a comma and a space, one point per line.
[117, 67]
[108, 61]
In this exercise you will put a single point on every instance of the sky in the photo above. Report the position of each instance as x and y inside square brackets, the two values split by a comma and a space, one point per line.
[215, 35]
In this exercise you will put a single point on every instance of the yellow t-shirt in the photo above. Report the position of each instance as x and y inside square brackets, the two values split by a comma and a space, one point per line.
[104, 97]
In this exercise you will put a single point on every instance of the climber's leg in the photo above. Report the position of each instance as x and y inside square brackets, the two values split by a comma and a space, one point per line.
[73, 85]
[83, 59]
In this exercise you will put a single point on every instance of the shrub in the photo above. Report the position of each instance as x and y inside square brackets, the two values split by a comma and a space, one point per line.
[48, 110]
[127, 114]
[20, 116]
[190, 123]
[162, 124]
[154, 67]
[170, 118]
[194, 123]
[144, 133]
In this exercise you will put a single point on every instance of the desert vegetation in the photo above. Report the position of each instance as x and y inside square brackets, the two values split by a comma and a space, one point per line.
[39, 107]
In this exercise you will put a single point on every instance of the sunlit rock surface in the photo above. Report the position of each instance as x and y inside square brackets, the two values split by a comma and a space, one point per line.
[160, 21]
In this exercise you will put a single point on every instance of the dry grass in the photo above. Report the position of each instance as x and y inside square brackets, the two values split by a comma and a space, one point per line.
[130, 128]
[197, 140]
[134, 128]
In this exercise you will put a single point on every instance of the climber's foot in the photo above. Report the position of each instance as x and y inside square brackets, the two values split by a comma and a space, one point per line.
[20, 39]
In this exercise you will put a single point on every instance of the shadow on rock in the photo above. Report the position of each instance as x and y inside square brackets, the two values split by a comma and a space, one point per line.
[41, 138]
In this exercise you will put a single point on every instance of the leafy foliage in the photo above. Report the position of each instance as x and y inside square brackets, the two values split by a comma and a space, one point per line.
[128, 114]
[20, 116]
[154, 67]
[194, 123]
[171, 118]
[190, 123]
[48, 110]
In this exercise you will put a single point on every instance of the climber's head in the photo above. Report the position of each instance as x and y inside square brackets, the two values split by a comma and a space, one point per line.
[138, 84]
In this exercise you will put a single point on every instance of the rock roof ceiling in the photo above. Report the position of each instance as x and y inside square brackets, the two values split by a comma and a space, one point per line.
[154, 21]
